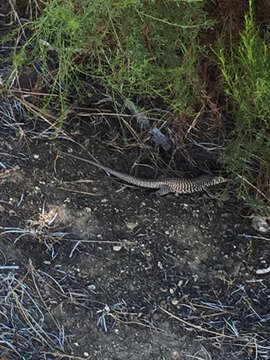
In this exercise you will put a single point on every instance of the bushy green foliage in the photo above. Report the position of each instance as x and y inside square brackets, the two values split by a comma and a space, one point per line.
[151, 47]
[246, 71]
[131, 46]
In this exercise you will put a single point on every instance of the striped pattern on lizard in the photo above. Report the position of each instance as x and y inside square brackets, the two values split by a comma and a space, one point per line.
[165, 186]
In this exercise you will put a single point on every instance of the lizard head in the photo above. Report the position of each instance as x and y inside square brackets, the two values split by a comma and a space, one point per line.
[219, 180]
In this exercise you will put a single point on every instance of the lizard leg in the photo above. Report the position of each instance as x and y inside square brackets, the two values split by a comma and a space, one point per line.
[164, 190]
[209, 193]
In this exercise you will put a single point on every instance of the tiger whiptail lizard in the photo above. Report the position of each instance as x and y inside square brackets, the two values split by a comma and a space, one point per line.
[165, 186]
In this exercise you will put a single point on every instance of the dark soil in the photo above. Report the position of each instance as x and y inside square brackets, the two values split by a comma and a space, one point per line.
[94, 269]
[126, 274]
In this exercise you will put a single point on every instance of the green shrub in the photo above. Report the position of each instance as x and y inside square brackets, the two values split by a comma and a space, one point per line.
[246, 71]
[131, 46]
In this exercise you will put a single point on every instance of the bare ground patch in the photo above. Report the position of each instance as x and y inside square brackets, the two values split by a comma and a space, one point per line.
[110, 272]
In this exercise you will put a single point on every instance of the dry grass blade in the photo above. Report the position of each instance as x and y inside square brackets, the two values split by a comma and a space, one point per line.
[254, 187]
[58, 355]
[26, 317]
[195, 326]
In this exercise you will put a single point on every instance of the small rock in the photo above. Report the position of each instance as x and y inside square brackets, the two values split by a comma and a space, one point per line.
[117, 248]
[175, 301]
[131, 225]
[175, 355]
[180, 283]
[91, 287]
[261, 223]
